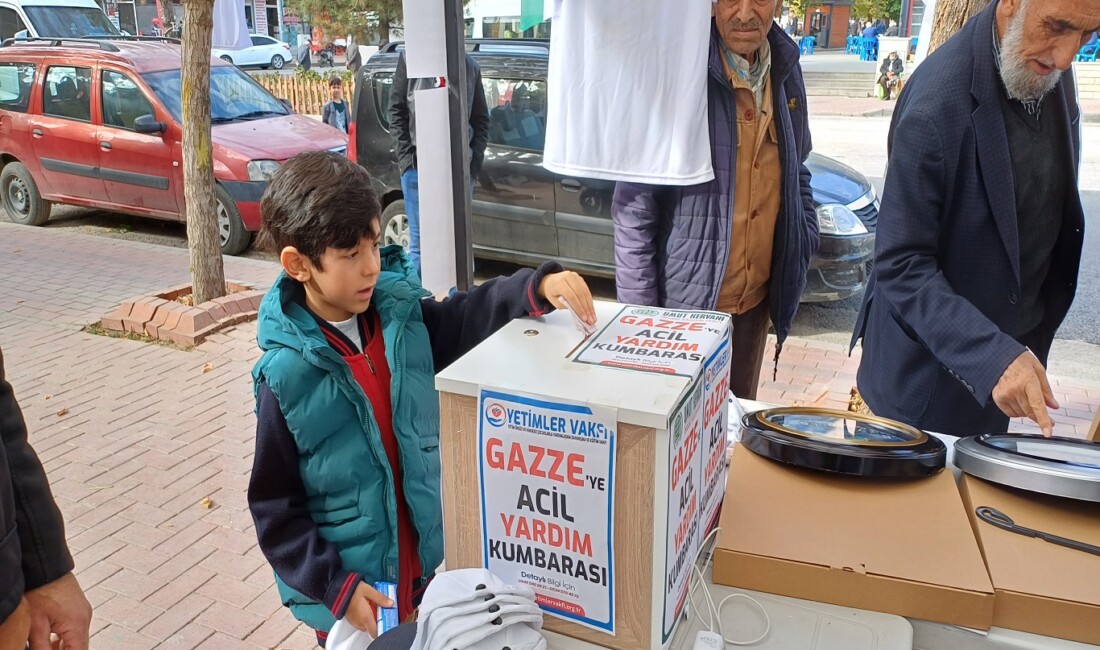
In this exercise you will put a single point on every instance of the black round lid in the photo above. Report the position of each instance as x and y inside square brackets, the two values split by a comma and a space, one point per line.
[842, 442]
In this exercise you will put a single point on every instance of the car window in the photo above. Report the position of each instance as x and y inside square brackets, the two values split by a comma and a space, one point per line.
[16, 81]
[517, 112]
[382, 86]
[10, 23]
[123, 101]
[70, 22]
[67, 93]
[260, 40]
[233, 95]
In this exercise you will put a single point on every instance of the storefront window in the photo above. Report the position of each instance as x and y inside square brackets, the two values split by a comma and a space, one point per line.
[508, 27]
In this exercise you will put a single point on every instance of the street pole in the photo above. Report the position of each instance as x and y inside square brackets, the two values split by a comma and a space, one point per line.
[460, 141]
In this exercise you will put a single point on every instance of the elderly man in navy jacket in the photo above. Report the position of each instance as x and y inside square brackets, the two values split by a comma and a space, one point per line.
[980, 230]
[741, 243]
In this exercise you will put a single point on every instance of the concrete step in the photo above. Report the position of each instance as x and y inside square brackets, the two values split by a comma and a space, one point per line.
[839, 84]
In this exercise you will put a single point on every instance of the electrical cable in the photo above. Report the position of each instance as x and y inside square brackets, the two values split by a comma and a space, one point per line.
[715, 613]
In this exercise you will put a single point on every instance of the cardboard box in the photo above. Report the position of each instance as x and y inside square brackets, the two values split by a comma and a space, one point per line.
[1040, 587]
[901, 548]
[660, 378]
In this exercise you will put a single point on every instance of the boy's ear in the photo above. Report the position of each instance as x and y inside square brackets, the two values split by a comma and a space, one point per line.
[295, 264]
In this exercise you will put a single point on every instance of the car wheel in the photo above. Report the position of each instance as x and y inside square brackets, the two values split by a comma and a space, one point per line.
[277, 62]
[22, 201]
[395, 225]
[232, 235]
[227, 58]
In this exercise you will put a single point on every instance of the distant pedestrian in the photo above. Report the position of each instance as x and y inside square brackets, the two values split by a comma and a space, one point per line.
[890, 74]
[335, 111]
[353, 58]
[305, 57]
[403, 129]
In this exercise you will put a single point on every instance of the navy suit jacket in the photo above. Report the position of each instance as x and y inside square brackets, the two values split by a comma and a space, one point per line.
[946, 278]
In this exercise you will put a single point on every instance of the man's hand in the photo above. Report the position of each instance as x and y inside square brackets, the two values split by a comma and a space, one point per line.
[1023, 392]
[573, 288]
[361, 609]
[61, 608]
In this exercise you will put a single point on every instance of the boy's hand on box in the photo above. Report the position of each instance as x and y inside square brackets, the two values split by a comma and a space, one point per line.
[572, 288]
[361, 609]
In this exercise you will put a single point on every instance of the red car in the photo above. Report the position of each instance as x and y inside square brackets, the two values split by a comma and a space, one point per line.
[96, 123]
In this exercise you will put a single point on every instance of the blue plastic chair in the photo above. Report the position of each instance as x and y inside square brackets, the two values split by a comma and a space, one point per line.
[806, 46]
[868, 49]
[1089, 53]
[851, 46]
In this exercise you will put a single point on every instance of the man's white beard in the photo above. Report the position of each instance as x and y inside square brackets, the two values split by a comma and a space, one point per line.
[1020, 82]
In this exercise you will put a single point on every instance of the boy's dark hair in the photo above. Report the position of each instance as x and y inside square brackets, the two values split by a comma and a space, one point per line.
[316, 201]
[335, 80]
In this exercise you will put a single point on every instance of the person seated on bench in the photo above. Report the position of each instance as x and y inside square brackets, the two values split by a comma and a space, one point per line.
[890, 74]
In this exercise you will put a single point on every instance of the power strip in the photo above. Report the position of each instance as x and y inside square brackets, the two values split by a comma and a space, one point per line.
[708, 641]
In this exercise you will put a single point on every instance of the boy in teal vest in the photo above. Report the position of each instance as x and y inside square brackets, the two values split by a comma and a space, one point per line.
[345, 482]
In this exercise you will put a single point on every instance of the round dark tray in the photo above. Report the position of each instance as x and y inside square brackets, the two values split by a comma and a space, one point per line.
[842, 442]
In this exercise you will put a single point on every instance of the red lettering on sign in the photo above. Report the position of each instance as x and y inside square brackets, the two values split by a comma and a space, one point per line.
[534, 461]
[684, 456]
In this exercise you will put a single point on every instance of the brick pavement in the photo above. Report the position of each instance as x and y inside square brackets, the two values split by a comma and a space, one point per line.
[134, 435]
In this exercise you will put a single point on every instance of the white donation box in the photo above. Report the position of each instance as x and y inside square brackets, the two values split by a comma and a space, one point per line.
[589, 469]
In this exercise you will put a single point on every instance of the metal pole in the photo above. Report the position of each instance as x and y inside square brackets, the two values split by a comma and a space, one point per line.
[460, 141]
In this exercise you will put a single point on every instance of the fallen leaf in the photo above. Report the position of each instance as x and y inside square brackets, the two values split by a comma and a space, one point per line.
[18, 250]
[207, 503]
[207, 367]
[48, 397]
[62, 413]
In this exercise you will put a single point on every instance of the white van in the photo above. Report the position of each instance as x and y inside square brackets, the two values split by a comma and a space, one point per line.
[53, 18]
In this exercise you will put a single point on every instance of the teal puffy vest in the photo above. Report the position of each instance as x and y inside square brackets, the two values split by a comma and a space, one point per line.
[343, 465]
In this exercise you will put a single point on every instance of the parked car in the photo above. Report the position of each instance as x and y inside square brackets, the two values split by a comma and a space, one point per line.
[58, 18]
[265, 52]
[96, 123]
[524, 214]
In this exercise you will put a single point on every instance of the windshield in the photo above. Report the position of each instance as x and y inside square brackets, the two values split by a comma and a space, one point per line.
[70, 22]
[234, 95]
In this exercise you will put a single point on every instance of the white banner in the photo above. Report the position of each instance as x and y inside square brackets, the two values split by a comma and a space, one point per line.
[547, 502]
[425, 41]
[438, 272]
[230, 26]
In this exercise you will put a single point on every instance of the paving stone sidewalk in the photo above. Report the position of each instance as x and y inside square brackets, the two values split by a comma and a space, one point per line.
[135, 435]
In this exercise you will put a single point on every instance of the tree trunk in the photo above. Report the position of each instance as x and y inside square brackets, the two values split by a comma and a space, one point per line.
[169, 14]
[383, 31]
[207, 272]
[951, 15]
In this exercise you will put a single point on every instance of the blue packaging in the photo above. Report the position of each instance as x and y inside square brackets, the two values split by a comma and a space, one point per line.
[387, 616]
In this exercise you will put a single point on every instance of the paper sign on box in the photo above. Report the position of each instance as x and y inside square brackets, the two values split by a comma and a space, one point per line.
[547, 475]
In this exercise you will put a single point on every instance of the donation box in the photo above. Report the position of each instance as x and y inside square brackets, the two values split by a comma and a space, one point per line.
[589, 469]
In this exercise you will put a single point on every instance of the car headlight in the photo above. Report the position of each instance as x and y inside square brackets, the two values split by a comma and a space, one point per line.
[836, 219]
[262, 170]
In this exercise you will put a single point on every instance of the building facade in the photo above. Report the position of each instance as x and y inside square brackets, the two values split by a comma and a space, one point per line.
[136, 16]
